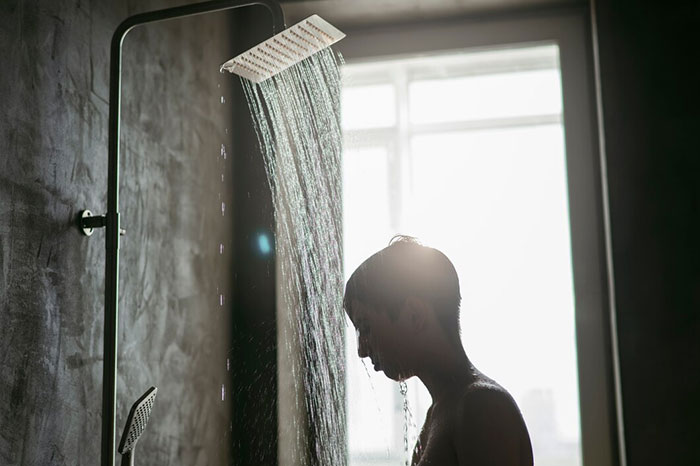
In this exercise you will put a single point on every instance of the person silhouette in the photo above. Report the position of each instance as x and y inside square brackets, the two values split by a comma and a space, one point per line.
[404, 303]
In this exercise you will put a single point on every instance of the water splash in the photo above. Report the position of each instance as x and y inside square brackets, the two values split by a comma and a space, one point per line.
[407, 420]
[297, 120]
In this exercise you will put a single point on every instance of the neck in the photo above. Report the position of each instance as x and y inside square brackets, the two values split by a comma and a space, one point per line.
[452, 372]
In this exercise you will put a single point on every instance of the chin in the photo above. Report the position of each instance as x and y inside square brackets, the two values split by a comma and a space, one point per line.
[396, 376]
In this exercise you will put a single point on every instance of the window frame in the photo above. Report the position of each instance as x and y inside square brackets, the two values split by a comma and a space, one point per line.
[596, 343]
[396, 137]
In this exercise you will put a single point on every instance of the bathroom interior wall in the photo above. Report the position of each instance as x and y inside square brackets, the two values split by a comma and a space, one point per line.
[53, 137]
[651, 101]
[174, 331]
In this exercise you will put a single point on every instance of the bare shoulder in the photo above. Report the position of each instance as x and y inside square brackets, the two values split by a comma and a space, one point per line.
[489, 427]
[486, 397]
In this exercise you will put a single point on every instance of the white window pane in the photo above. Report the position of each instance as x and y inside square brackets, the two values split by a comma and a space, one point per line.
[368, 106]
[365, 203]
[496, 203]
[480, 97]
[372, 428]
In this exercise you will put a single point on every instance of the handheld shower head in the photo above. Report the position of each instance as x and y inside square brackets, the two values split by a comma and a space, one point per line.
[285, 49]
[135, 425]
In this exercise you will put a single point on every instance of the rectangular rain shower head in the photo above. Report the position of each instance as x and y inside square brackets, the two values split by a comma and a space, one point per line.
[285, 49]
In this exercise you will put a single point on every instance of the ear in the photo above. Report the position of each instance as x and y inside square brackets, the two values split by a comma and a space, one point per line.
[417, 312]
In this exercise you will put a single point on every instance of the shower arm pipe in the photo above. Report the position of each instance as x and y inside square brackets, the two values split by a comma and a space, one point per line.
[111, 219]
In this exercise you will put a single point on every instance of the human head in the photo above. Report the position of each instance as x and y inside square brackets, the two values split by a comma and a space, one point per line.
[407, 271]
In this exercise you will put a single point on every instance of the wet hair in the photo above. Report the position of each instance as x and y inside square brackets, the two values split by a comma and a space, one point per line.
[407, 268]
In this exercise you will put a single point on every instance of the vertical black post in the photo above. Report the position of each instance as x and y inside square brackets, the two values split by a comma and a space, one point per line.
[111, 314]
[111, 311]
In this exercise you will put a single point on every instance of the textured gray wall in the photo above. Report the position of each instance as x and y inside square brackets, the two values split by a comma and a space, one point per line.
[53, 152]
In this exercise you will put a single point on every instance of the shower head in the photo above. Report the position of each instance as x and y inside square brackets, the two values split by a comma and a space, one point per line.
[135, 424]
[285, 49]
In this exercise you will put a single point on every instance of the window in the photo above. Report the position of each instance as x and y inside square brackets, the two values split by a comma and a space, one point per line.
[466, 151]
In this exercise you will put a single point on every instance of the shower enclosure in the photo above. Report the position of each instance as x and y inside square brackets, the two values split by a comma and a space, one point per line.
[242, 183]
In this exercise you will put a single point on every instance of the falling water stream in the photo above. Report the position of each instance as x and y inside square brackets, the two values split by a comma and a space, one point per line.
[296, 115]
[297, 121]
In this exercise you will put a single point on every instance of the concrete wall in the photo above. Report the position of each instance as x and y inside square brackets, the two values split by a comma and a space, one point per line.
[53, 162]
[651, 109]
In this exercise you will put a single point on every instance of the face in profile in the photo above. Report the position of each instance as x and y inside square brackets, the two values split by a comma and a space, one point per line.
[385, 341]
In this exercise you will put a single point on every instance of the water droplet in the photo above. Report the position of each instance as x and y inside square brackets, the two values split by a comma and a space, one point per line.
[222, 177]
[221, 248]
[228, 364]
[221, 300]
[223, 100]
[223, 392]
[218, 85]
[223, 208]
[226, 130]
[223, 151]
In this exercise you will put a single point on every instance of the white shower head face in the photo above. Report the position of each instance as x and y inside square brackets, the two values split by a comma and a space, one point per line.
[284, 50]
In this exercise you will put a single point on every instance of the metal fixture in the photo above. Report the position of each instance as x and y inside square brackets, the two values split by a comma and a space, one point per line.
[88, 222]
[284, 50]
[135, 425]
[110, 221]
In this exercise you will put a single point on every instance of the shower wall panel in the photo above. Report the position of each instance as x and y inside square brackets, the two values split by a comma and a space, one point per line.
[177, 272]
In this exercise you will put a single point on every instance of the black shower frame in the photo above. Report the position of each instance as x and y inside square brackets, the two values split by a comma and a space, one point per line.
[111, 220]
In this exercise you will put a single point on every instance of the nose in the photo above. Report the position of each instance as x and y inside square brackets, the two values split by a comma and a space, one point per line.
[362, 346]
